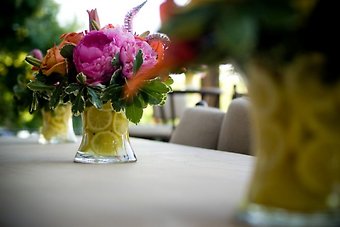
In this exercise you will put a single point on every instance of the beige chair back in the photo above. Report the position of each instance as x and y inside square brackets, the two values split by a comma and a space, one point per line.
[235, 130]
[199, 127]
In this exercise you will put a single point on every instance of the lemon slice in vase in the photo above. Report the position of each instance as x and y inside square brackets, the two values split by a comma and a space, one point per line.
[106, 143]
[98, 120]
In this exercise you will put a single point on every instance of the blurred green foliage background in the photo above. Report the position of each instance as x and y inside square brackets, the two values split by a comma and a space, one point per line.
[25, 25]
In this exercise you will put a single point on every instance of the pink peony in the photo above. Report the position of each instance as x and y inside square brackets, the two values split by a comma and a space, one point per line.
[129, 47]
[128, 54]
[94, 53]
[149, 54]
[93, 57]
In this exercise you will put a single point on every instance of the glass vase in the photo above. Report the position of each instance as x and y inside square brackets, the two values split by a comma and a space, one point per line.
[105, 137]
[296, 180]
[57, 126]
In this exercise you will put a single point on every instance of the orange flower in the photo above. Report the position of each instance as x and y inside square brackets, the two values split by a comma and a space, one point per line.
[167, 9]
[157, 46]
[70, 38]
[53, 62]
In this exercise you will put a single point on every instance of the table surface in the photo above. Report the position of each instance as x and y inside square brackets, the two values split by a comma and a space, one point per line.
[169, 185]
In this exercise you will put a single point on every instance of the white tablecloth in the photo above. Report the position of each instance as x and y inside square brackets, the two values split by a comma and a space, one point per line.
[169, 185]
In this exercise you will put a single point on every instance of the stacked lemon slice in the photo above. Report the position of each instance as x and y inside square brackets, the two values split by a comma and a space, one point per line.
[297, 144]
[55, 122]
[105, 131]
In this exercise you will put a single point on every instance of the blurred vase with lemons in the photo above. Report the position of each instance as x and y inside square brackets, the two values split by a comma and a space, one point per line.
[296, 180]
[289, 58]
[92, 70]
[57, 125]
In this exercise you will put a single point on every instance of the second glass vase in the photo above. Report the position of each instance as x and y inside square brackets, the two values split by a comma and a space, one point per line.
[57, 126]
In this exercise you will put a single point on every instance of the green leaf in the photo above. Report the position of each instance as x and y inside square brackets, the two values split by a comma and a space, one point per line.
[169, 81]
[118, 105]
[238, 36]
[67, 51]
[81, 78]
[138, 61]
[115, 76]
[113, 92]
[142, 102]
[34, 104]
[133, 112]
[144, 34]
[38, 86]
[115, 60]
[72, 88]
[155, 98]
[33, 61]
[55, 98]
[94, 98]
[78, 105]
[157, 85]
[154, 92]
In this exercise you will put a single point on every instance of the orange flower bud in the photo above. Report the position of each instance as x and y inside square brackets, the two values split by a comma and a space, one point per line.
[53, 62]
[70, 38]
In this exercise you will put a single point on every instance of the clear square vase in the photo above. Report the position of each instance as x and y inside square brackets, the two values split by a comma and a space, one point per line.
[296, 129]
[57, 125]
[105, 137]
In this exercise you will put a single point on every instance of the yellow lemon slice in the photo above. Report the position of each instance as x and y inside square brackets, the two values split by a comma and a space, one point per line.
[98, 120]
[107, 106]
[316, 167]
[278, 186]
[120, 123]
[85, 145]
[265, 92]
[106, 143]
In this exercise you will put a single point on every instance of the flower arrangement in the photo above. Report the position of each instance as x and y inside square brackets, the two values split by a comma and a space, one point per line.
[94, 67]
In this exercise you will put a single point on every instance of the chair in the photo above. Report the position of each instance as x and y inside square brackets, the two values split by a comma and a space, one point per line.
[199, 127]
[159, 132]
[235, 130]
[164, 117]
[168, 114]
[172, 109]
[237, 94]
[176, 103]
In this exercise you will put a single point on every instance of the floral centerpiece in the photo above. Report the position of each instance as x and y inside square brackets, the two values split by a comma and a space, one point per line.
[91, 70]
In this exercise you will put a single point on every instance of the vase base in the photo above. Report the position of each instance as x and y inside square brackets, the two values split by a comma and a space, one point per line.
[82, 157]
[258, 215]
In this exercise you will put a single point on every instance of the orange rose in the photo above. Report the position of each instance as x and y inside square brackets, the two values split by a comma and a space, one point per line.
[70, 38]
[53, 62]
